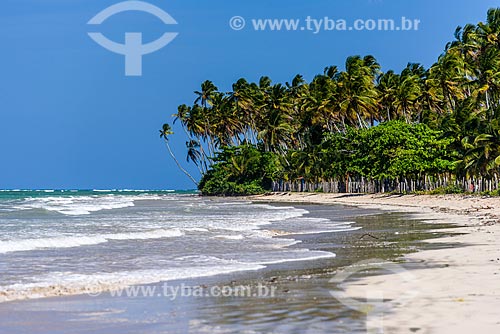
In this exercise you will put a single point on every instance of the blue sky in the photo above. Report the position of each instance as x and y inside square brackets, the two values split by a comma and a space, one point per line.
[70, 118]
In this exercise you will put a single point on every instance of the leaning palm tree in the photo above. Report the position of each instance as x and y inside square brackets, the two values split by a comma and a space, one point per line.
[164, 133]
[195, 155]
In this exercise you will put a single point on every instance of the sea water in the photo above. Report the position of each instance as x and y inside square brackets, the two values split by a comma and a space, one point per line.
[55, 242]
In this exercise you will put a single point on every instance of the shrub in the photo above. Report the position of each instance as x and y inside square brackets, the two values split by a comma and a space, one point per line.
[242, 170]
[453, 189]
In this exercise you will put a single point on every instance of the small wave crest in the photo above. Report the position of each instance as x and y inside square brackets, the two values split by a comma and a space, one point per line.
[76, 205]
[61, 283]
[77, 241]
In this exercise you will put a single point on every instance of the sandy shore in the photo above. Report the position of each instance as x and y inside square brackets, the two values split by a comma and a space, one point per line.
[302, 302]
[457, 289]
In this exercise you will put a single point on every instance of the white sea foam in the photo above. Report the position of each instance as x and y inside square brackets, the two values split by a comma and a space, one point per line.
[67, 283]
[302, 255]
[349, 229]
[215, 229]
[77, 241]
[246, 223]
[230, 237]
[84, 205]
[64, 283]
[195, 229]
[77, 205]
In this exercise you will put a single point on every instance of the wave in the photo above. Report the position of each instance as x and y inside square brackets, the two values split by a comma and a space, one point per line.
[80, 202]
[195, 229]
[223, 229]
[309, 255]
[66, 283]
[84, 205]
[62, 283]
[350, 229]
[230, 237]
[78, 241]
[76, 205]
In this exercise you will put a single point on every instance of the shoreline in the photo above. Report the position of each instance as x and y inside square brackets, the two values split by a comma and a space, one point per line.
[457, 287]
[302, 302]
[303, 297]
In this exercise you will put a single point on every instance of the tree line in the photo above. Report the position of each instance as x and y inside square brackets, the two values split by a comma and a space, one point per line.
[358, 123]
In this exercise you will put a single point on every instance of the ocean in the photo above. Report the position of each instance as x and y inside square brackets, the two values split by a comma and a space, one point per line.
[55, 242]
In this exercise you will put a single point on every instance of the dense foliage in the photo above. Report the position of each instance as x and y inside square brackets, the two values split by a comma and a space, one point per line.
[358, 121]
[391, 150]
[242, 170]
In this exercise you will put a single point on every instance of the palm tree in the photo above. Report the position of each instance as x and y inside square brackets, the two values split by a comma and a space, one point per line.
[387, 85]
[274, 128]
[358, 96]
[447, 76]
[164, 133]
[407, 94]
[194, 154]
[459, 95]
[204, 97]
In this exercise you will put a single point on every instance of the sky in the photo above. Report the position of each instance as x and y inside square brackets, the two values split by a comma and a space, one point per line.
[71, 119]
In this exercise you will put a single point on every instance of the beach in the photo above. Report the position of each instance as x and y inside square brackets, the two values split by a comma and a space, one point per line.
[220, 167]
[457, 288]
[292, 249]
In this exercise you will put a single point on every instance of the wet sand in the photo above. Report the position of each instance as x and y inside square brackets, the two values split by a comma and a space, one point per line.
[457, 289]
[303, 301]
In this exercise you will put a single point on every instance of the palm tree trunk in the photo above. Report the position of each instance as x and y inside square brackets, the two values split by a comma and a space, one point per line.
[178, 164]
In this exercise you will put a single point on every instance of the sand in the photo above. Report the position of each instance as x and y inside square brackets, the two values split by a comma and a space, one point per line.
[457, 289]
